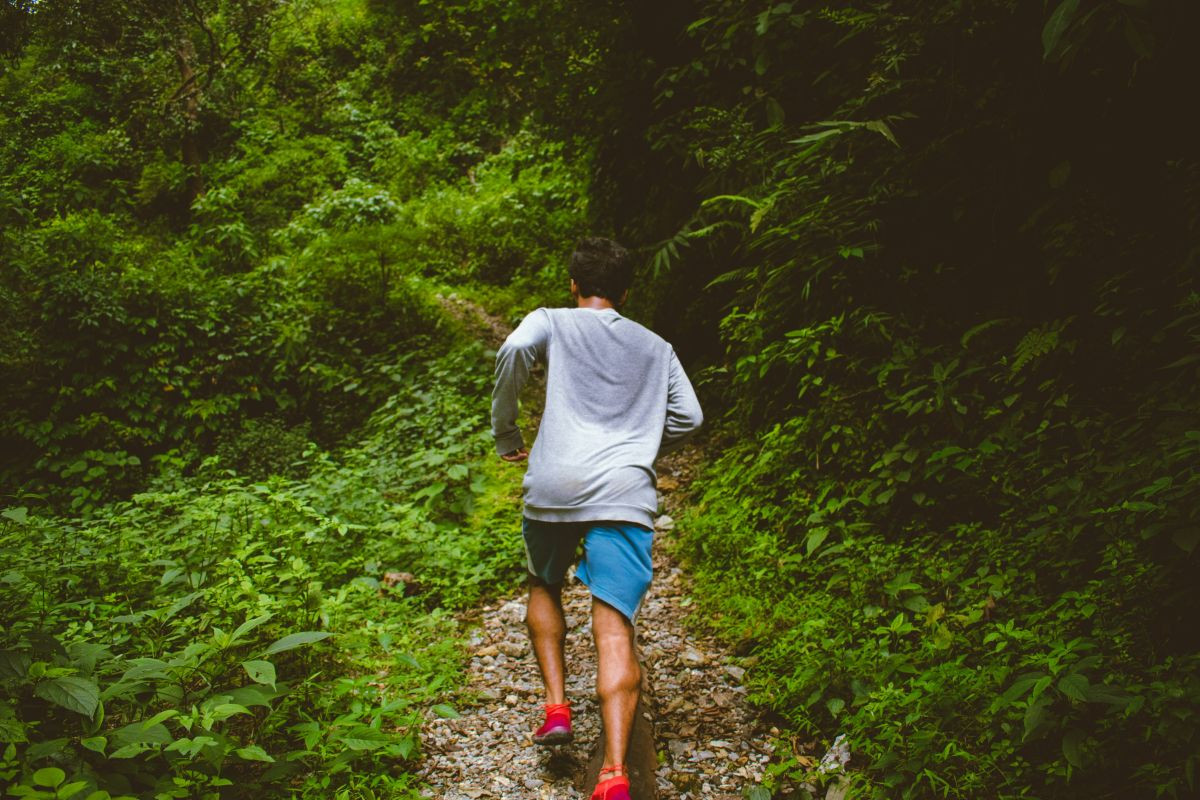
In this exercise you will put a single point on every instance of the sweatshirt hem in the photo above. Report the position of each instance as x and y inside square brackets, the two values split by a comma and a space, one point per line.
[615, 512]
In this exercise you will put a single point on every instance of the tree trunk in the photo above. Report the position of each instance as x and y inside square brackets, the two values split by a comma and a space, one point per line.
[189, 147]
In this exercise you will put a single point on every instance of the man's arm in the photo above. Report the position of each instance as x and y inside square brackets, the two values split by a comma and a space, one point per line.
[524, 346]
[683, 409]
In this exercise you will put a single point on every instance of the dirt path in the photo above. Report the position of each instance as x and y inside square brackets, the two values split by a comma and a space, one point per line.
[490, 329]
[711, 743]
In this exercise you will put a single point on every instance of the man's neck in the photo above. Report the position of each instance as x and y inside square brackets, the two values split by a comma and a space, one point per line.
[594, 302]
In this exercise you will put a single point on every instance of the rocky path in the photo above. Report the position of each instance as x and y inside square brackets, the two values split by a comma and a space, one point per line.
[711, 743]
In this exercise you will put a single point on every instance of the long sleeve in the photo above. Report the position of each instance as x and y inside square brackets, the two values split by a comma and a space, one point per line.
[683, 409]
[524, 346]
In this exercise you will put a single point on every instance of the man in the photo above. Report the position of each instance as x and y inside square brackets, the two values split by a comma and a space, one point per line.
[616, 398]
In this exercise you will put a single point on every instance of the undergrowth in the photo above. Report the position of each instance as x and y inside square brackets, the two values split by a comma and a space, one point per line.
[212, 630]
[980, 577]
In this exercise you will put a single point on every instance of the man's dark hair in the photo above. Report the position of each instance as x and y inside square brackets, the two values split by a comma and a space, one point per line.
[601, 268]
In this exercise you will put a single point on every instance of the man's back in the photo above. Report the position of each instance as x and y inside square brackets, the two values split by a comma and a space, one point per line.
[616, 397]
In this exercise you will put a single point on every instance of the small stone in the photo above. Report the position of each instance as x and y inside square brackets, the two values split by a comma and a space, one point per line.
[664, 523]
[837, 757]
[488, 651]
[693, 656]
[513, 610]
[512, 699]
[533, 783]
[735, 672]
[514, 649]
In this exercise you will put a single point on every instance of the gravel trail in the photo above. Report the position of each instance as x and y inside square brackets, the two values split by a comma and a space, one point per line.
[711, 743]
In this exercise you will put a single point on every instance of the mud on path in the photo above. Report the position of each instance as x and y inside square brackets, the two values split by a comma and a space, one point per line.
[711, 743]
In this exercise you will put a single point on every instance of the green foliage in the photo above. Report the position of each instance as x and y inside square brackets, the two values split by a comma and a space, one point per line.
[514, 221]
[244, 452]
[180, 641]
[941, 270]
[975, 603]
[264, 447]
[147, 318]
[950, 323]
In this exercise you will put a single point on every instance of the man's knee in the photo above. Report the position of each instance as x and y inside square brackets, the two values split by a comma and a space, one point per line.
[624, 679]
[544, 607]
[539, 588]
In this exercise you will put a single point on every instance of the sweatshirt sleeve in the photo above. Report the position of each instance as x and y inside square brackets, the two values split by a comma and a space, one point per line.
[524, 346]
[683, 409]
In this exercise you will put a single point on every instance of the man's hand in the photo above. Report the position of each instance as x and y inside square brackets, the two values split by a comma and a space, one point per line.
[519, 454]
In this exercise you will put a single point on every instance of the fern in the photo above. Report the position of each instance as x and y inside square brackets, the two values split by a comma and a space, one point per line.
[1033, 345]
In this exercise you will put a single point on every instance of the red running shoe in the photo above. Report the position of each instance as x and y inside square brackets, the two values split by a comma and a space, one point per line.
[557, 727]
[614, 788]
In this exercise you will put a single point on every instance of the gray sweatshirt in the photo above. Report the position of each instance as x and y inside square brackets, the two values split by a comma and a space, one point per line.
[616, 398]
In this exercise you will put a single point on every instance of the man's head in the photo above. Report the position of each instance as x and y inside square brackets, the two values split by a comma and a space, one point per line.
[601, 268]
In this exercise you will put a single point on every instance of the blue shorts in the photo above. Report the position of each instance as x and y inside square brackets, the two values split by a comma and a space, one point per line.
[615, 565]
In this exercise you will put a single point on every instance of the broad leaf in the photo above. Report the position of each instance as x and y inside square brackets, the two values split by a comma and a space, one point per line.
[49, 776]
[445, 711]
[20, 514]
[1071, 747]
[365, 738]
[223, 711]
[12, 729]
[254, 695]
[1074, 686]
[1058, 23]
[14, 664]
[161, 716]
[296, 640]
[95, 743]
[254, 753]
[247, 626]
[72, 692]
[1034, 716]
[135, 733]
[260, 672]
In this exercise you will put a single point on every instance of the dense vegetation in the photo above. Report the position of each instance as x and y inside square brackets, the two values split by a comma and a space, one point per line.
[933, 265]
[244, 442]
[953, 322]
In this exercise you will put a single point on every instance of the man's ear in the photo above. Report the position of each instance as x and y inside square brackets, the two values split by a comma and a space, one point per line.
[624, 297]
[574, 288]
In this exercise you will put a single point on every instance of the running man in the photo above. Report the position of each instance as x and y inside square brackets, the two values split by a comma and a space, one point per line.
[616, 399]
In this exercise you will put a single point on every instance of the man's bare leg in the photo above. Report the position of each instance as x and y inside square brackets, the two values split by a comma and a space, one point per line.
[618, 680]
[548, 633]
